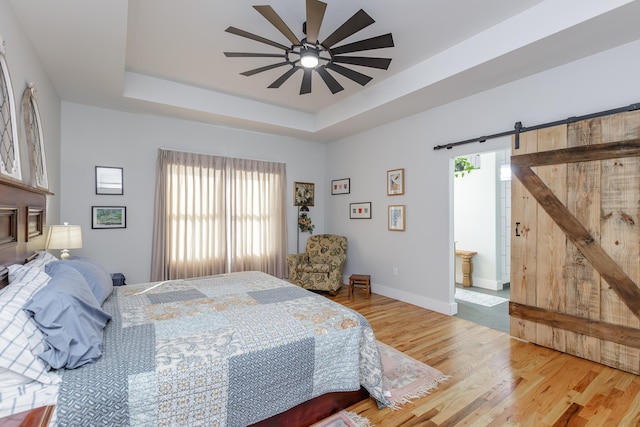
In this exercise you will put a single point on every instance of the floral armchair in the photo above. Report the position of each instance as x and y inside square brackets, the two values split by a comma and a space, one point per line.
[320, 267]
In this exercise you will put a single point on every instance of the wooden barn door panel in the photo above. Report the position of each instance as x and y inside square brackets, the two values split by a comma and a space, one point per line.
[523, 254]
[552, 242]
[619, 232]
[575, 247]
[583, 290]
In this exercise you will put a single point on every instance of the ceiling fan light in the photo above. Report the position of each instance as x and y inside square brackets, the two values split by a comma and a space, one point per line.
[309, 57]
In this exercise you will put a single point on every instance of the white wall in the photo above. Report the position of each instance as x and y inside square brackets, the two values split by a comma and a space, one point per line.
[424, 252]
[24, 68]
[504, 247]
[476, 220]
[100, 137]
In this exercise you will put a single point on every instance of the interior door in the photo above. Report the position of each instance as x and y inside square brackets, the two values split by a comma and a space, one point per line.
[575, 244]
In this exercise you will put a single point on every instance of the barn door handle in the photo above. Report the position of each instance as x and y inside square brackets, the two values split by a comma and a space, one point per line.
[517, 232]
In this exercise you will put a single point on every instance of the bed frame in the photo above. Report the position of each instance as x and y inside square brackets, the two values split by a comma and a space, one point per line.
[22, 223]
[22, 235]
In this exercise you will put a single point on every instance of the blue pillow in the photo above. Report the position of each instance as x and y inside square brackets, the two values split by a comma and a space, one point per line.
[70, 317]
[98, 279]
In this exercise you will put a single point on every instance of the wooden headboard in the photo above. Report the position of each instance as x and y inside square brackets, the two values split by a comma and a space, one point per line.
[22, 223]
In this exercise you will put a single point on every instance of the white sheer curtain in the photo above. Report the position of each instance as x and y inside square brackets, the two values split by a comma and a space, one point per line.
[216, 215]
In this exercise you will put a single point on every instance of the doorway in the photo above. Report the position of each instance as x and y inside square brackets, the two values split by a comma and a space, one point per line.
[481, 221]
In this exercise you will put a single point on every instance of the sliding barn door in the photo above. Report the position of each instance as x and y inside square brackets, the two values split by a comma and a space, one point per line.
[575, 245]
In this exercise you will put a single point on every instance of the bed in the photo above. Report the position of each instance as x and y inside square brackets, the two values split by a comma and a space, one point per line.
[231, 350]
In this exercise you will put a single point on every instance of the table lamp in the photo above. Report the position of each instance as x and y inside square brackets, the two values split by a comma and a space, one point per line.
[64, 237]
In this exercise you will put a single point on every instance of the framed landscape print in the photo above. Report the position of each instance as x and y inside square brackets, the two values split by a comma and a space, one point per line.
[395, 182]
[108, 217]
[360, 210]
[397, 218]
[340, 186]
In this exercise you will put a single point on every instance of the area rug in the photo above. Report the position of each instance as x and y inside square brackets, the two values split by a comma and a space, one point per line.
[344, 419]
[478, 298]
[405, 378]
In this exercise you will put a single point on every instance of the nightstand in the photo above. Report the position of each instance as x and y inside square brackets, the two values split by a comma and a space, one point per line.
[118, 279]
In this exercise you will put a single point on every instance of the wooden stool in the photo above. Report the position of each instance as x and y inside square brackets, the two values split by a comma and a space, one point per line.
[362, 280]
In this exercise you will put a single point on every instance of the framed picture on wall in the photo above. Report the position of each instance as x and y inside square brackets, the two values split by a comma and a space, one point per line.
[341, 186]
[397, 217]
[395, 182]
[108, 217]
[360, 210]
[303, 194]
[109, 180]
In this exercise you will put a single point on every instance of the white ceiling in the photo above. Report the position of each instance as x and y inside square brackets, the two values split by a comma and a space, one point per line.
[166, 56]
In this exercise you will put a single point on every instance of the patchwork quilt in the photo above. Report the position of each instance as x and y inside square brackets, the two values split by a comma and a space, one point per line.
[226, 350]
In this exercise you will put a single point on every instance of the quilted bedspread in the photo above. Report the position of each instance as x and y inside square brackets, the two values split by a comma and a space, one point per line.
[226, 350]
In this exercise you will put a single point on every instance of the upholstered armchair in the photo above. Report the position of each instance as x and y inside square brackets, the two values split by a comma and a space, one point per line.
[320, 267]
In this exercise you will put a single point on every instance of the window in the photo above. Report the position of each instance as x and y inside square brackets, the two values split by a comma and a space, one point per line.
[35, 141]
[9, 153]
[216, 215]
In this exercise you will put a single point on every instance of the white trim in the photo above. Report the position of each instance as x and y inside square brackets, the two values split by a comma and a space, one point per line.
[418, 300]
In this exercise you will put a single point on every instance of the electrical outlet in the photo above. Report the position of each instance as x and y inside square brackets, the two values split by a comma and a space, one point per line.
[394, 271]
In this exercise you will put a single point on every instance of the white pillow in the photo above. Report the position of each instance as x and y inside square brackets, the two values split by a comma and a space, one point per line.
[41, 260]
[16, 273]
[10, 379]
[20, 338]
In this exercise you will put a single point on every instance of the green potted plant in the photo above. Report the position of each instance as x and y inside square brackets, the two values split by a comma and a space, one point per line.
[462, 166]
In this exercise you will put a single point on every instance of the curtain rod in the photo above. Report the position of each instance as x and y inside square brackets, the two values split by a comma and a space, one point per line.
[217, 155]
[518, 128]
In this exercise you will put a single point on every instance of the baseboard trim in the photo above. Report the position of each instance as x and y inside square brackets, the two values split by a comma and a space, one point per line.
[419, 300]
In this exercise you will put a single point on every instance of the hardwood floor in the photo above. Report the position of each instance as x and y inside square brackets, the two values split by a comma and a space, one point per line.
[496, 380]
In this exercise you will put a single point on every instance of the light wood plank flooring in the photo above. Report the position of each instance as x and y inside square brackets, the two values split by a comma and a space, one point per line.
[496, 380]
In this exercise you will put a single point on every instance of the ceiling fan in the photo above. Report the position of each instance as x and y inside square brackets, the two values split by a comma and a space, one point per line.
[309, 54]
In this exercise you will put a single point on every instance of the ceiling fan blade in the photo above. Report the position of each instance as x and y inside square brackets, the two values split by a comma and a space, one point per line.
[354, 24]
[254, 55]
[242, 33]
[283, 78]
[265, 68]
[365, 61]
[305, 87]
[276, 21]
[315, 14]
[332, 83]
[379, 42]
[357, 77]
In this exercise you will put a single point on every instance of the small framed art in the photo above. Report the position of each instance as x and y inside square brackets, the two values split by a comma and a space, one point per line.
[303, 194]
[397, 217]
[395, 182]
[108, 217]
[109, 180]
[360, 210]
[340, 186]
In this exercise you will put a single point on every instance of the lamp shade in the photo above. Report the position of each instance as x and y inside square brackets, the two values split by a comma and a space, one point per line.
[64, 237]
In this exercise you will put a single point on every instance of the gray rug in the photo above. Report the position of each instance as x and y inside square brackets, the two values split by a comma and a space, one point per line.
[478, 298]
